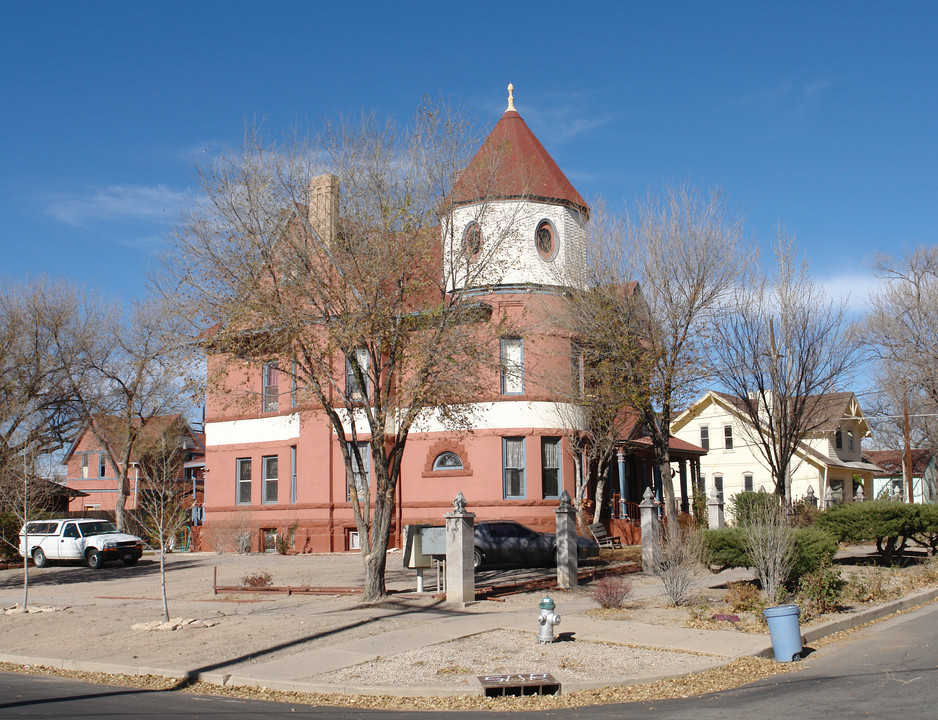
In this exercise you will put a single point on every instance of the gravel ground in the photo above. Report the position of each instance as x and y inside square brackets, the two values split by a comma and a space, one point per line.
[503, 651]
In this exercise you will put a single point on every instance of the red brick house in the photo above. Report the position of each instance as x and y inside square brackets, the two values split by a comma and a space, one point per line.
[276, 467]
[89, 469]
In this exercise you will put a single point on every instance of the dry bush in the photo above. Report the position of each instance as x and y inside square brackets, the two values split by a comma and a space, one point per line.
[770, 544]
[678, 563]
[744, 597]
[233, 533]
[257, 580]
[611, 592]
[871, 585]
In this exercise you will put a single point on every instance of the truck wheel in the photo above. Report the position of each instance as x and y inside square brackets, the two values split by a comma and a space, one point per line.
[39, 558]
[93, 559]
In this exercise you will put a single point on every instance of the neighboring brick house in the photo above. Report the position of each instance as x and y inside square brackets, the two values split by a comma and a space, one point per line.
[278, 466]
[889, 482]
[829, 457]
[89, 470]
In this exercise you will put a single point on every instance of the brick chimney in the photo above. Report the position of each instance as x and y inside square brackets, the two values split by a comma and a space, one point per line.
[324, 206]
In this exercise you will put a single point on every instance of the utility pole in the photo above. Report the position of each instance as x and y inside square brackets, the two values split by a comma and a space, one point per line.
[907, 438]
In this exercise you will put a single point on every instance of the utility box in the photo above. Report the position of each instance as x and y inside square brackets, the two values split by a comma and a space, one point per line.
[433, 540]
[421, 543]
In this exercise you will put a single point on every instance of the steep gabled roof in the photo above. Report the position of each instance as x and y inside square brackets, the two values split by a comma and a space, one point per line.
[512, 164]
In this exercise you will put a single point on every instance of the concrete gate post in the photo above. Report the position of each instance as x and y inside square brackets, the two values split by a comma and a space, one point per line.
[460, 573]
[649, 515]
[715, 510]
[566, 543]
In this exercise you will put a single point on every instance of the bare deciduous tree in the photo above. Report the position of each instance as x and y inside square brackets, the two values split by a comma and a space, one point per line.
[902, 330]
[783, 345]
[647, 302]
[122, 371]
[346, 293]
[164, 503]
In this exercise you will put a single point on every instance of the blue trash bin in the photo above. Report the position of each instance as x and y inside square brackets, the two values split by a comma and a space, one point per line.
[785, 632]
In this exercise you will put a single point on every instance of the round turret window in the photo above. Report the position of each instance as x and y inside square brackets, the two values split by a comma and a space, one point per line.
[545, 238]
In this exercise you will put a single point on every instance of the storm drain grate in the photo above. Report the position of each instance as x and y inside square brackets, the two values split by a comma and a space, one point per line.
[519, 684]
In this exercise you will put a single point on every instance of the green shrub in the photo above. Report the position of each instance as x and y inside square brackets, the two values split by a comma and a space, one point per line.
[9, 537]
[745, 507]
[814, 548]
[821, 590]
[927, 535]
[888, 523]
[726, 548]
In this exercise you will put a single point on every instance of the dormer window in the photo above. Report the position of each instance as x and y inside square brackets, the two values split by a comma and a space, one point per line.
[545, 237]
[850, 439]
[839, 439]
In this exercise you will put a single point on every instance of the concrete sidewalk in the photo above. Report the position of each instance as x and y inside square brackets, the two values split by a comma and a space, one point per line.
[299, 663]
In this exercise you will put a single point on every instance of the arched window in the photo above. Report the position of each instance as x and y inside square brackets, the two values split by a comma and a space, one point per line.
[447, 461]
[472, 241]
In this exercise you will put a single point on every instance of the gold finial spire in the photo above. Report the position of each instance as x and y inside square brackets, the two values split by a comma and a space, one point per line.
[511, 98]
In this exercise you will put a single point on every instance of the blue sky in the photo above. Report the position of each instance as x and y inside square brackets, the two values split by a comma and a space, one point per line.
[818, 116]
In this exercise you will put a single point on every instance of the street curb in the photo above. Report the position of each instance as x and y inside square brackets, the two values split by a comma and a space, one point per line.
[858, 618]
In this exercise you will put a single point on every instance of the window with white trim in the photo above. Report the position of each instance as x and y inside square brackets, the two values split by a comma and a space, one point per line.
[270, 465]
[550, 467]
[359, 470]
[747, 482]
[727, 437]
[243, 477]
[448, 461]
[705, 437]
[271, 387]
[513, 467]
[356, 375]
[512, 362]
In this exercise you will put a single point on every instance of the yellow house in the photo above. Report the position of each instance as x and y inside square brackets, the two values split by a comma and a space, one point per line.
[828, 457]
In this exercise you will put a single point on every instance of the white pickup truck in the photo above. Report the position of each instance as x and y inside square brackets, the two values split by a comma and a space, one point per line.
[94, 541]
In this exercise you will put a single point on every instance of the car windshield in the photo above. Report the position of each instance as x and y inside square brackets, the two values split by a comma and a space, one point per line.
[97, 528]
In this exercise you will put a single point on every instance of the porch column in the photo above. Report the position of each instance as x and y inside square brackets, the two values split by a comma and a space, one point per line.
[685, 506]
[623, 491]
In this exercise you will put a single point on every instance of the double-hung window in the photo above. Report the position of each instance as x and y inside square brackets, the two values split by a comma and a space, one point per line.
[512, 362]
[356, 375]
[550, 467]
[270, 478]
[271, 387]
[727, 437]
[244, 480]
[102, 465]
[513, 467]
[359, 470]
[748, 485]
[705, 437]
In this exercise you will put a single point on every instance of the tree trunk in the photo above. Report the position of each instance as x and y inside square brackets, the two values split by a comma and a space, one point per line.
[26, 575]
[667, 489]
[163, 579]
[600, 493]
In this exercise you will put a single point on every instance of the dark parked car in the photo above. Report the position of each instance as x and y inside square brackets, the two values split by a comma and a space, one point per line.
[506, 542]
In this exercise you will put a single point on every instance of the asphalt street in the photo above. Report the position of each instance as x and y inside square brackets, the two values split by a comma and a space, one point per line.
[885, 671]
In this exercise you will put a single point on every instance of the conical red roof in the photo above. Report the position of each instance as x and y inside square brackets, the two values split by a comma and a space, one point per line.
[512, 163]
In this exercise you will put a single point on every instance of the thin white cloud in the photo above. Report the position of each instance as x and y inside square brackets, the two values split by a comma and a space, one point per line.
[854, 289]
[116, 202]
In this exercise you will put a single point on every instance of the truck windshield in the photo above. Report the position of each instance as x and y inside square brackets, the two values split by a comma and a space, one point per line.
[97, 528]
